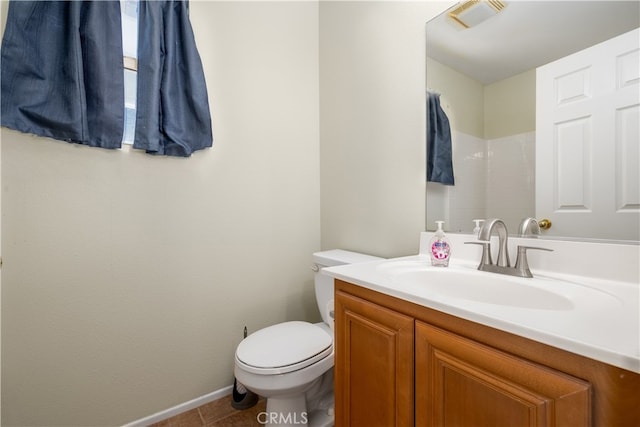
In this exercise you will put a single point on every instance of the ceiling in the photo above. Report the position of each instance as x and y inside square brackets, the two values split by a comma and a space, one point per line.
[527, 34]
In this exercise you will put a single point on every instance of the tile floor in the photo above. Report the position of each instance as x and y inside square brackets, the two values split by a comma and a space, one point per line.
[218, 413]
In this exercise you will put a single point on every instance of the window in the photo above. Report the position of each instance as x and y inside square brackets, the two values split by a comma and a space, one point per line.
[129, 13]
[90, 97]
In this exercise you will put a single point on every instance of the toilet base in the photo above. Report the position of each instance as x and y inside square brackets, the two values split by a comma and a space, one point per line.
[286, 411]
[314, 408]
[290, 412]
[320, 402]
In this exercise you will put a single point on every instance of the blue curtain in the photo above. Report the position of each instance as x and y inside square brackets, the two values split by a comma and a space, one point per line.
[62, 75]
[62, 71]
[173, 108]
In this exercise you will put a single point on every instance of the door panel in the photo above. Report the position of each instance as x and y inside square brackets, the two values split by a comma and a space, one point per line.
[587, 141]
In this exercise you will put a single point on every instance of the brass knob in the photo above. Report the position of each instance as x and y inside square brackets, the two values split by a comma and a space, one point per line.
[544, 224]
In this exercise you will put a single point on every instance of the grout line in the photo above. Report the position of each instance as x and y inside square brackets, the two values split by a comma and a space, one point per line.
[201, 417]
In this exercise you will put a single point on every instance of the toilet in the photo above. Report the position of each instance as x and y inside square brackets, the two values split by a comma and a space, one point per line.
[291, 363]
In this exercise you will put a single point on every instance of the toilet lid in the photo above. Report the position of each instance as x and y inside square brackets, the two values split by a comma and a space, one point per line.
[285, 347]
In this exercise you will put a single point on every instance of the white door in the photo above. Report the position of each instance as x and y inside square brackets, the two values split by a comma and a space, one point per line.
[587, 141]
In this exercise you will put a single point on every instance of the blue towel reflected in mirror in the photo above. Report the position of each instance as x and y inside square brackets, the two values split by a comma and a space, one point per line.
[439, 153]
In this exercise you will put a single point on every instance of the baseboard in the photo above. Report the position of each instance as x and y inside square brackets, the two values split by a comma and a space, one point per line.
[183, 407]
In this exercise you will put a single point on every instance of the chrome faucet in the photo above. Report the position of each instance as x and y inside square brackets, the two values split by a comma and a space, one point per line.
[529, 227]
[503, 266]
[485, 235]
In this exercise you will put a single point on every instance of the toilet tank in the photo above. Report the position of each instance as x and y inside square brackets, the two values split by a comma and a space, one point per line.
[324, 284]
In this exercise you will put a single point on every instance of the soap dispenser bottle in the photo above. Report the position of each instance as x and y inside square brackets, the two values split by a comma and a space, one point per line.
[440, 248]
[476, 229]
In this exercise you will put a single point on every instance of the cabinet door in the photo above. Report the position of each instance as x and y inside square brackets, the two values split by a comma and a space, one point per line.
[373, 364]
[460, 382]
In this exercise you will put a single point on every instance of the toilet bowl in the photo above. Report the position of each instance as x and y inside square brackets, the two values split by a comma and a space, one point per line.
[291, 363]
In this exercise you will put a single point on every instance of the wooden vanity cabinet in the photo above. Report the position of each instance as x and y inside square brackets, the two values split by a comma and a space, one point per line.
[375, 349]
[402, 364]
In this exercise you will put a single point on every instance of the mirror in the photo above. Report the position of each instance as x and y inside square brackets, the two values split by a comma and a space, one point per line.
[486, 79]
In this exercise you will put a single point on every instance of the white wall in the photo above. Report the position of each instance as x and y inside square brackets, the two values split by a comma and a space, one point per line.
[510, 106]
[128, 278]
[510, 185]
[461, 97]
[372, 124]
[493, 142]
[468, 198]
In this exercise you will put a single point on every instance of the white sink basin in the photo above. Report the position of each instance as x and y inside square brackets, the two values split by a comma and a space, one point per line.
[469, 284]
[584, 314]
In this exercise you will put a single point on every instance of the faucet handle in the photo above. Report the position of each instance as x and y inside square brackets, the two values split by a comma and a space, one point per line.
[486, 252]
[522, 265]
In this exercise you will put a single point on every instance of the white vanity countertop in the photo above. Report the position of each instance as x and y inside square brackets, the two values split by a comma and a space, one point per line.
[608, 331]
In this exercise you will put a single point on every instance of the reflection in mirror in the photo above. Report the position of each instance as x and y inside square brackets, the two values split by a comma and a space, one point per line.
[486, 78]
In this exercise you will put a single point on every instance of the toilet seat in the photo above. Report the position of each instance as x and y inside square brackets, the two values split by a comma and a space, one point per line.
[283, 348]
